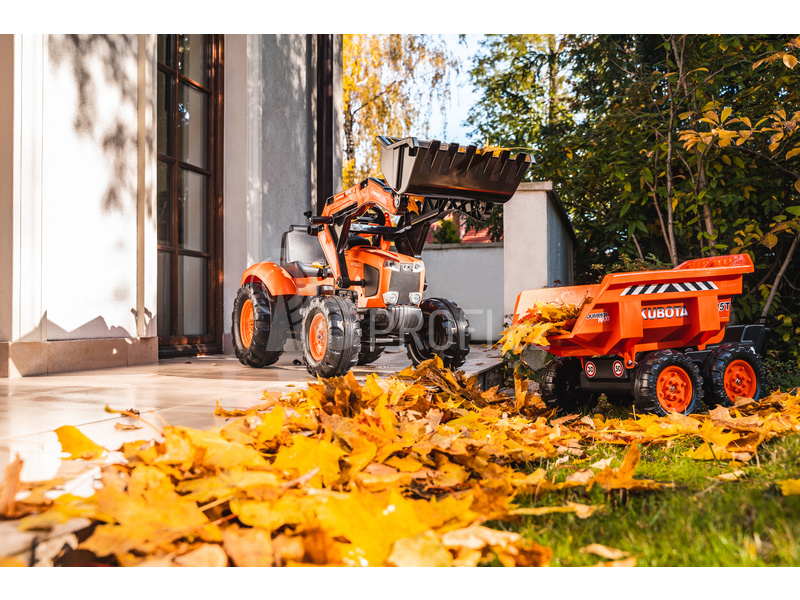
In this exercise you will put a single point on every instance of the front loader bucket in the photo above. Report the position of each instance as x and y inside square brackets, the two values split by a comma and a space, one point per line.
[435, 169]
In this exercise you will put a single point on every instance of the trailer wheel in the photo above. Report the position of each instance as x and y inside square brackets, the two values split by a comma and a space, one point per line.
[560, 387]
[619, 399]
[733, 370]
[667, 381]
[444, 332]
[331, 336]
[257, 341]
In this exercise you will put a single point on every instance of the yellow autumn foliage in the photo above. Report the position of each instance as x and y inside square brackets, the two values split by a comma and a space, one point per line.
[403, 471]
[540, 322]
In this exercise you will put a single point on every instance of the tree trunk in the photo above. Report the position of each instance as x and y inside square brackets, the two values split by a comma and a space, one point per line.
[779, 276]
[552, 75]
[349, 149]
[673, 253]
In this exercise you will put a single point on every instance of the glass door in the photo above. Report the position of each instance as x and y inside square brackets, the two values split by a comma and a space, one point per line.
[189, 201]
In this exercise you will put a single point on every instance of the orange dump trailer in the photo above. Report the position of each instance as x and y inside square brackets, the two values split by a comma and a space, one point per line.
[660, 339]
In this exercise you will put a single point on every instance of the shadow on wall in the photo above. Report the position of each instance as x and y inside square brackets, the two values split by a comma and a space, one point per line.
[94, 329]
[288, 158]
[113, 53]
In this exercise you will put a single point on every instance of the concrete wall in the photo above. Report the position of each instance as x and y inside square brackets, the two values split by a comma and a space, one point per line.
[270, 147]
[538, 242]
[471, 275]
[82, 202]
[78, 255]
[7, 59]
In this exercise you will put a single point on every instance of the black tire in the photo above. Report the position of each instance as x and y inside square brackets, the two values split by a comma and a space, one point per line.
[366, 356]
[267, 337]
[717, 366]
[338, 319]
[444, 332]
[561, 386]
[620, 399]
[370, 352]
[675, 371]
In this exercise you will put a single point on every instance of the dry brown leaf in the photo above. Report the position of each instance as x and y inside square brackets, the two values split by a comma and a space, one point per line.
[732, 476]
[126, 426]
[605, 552]
[625, 562]
[389, 471]
[11, 486]
[206, 555]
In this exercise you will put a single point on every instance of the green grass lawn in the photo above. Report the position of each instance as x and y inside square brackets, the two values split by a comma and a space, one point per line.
[703, 521]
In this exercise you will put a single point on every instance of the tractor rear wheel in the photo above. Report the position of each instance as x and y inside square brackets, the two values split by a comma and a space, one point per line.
[732, 370]
[561, 386]
[257, 341]
[331, 336]
[444, 333]
[667, 381]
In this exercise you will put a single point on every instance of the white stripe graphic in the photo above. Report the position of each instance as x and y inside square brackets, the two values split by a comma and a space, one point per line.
[662, 289]
[638, 290]
[712, 284]
[651, 288]
[690, 287]
[701, 285]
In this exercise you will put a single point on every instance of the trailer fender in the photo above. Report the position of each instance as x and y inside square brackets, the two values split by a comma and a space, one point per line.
[274, 277]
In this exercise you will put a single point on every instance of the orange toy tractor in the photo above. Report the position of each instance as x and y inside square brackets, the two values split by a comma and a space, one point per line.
[350, 282]
[657, 339]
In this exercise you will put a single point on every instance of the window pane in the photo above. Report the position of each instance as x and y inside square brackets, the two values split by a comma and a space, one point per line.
[164, 114]
[165, 53]
[192, 107]
[192, 295]
[164, 315]
[192, 211]
[164, 205]
[192, 61]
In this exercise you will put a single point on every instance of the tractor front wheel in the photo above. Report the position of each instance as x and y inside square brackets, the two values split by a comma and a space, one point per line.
[667, 381]
[331, 336]
[257, 341]
[444, 333]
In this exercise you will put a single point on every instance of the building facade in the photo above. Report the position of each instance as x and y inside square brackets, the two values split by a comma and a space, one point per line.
[140, 175]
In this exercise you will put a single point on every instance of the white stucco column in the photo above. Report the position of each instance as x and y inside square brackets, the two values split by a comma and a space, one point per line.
[524, 241]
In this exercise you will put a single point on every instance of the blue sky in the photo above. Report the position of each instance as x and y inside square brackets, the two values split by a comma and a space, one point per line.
[449, 127]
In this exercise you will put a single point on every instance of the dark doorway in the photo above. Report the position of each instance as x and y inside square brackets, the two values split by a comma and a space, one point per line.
[189, 180]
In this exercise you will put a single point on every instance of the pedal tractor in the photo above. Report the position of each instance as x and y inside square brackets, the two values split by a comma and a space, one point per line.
[351, 282]
[660, 340]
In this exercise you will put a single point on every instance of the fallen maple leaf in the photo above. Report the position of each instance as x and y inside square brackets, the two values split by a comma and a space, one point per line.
[789, 487]
[622, 478]
[582, 511]
[77, 445]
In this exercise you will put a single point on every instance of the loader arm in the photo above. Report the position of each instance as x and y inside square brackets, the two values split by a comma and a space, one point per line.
[425, 182]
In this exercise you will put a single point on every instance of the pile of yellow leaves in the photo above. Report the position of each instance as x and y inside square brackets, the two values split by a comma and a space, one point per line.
[543, 320]
[401, 471]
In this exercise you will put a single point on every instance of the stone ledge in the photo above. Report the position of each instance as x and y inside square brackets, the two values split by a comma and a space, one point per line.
[21, 359]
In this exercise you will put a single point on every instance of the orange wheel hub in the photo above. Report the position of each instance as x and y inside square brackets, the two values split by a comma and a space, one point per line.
[740, 380]
[318, 337]
[246, 324]
[674, 389]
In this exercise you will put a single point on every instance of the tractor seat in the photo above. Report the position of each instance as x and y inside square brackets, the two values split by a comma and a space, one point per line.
[357, 240]
[299, 251]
